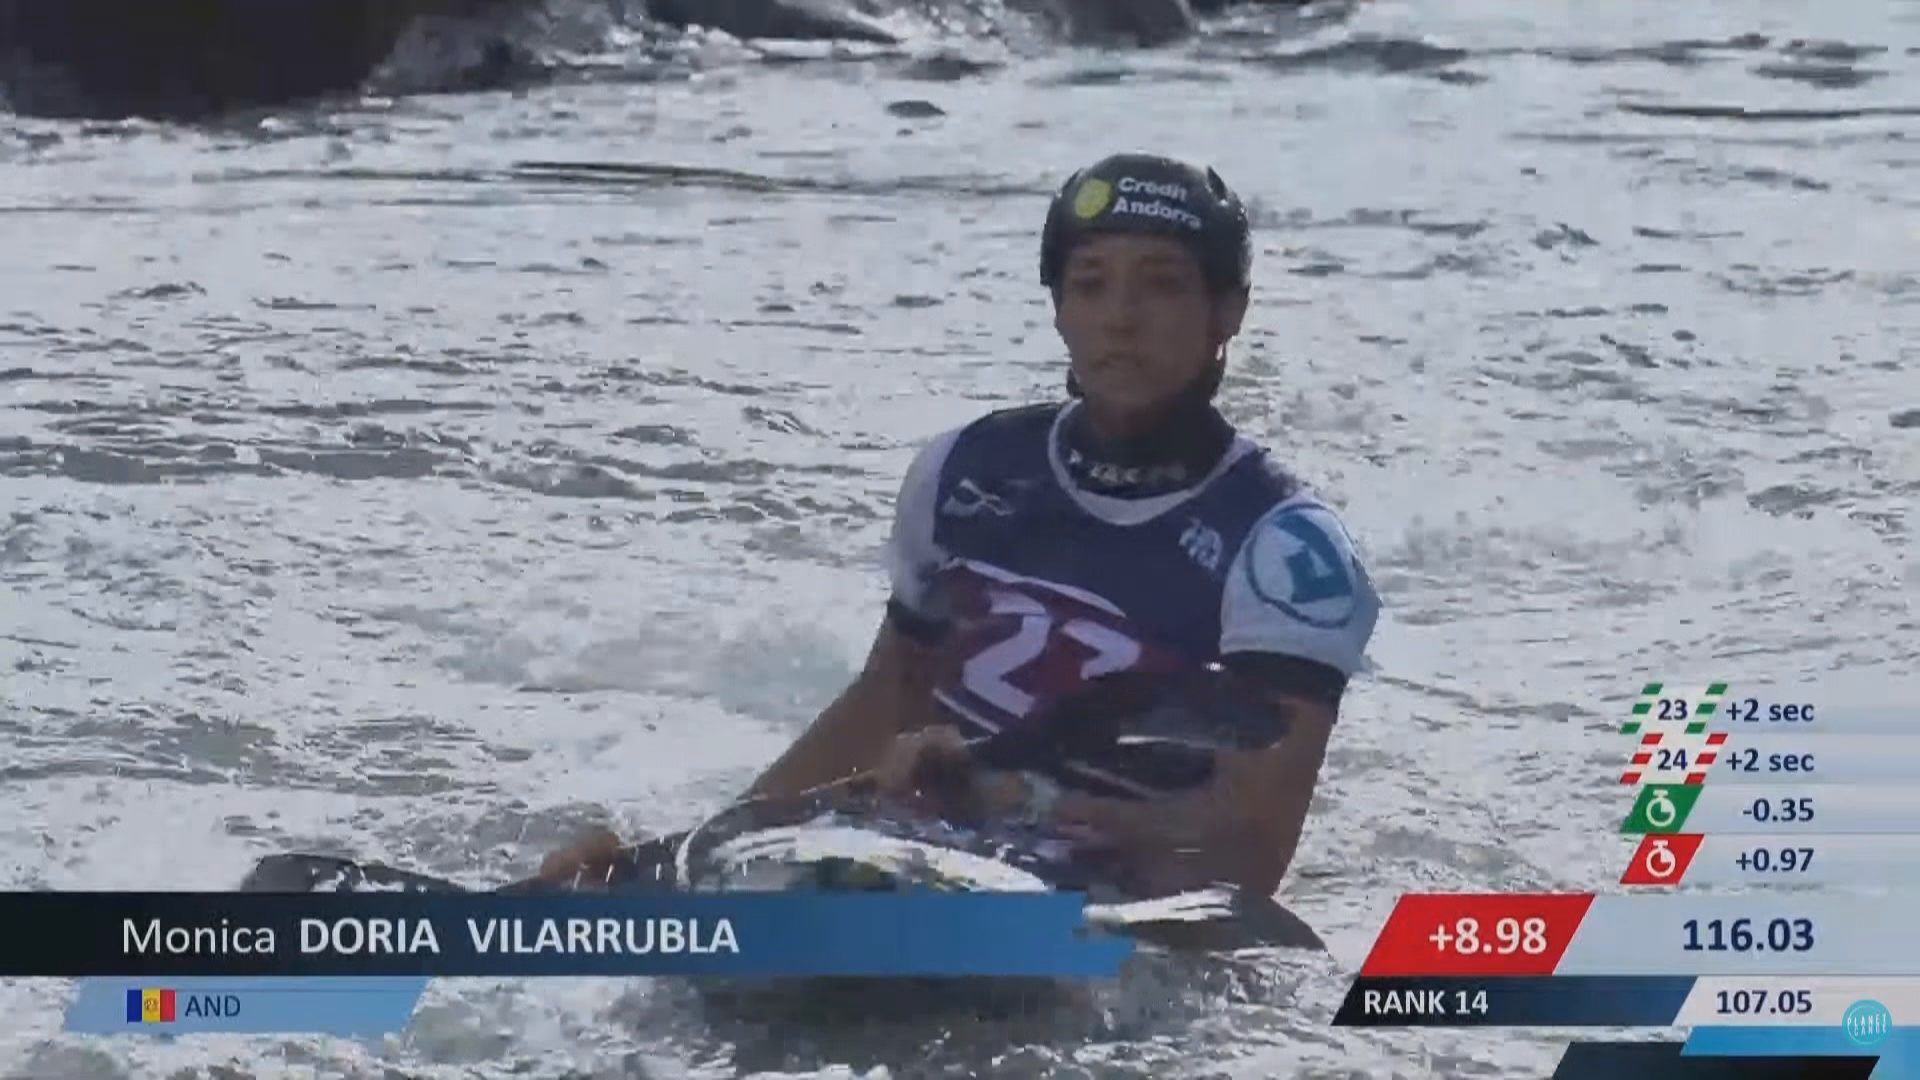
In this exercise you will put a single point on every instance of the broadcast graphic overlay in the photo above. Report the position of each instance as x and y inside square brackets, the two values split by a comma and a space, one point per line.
[355, 964]
[1764, 788]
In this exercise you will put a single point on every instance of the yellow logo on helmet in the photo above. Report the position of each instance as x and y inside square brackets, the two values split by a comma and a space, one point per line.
[1093, 197]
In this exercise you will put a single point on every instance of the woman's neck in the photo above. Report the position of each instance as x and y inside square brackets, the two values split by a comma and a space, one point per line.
[1140, 457]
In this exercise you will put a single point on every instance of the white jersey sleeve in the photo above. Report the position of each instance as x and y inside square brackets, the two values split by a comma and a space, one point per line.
[912, 556]
[1297, 588]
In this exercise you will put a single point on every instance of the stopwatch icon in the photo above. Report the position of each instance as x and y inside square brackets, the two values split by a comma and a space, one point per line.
[1661, 861]
[1661, 813]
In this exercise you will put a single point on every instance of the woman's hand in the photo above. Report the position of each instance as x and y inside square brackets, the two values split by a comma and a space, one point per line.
[933, 770]
[588, 861]
[1008, 796]
[921, 759]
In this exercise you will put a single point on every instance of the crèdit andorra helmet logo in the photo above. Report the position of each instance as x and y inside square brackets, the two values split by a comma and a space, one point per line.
[1092, 198]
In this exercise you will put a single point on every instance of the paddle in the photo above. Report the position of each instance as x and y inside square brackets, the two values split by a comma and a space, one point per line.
[1220, 920]
[654, 862]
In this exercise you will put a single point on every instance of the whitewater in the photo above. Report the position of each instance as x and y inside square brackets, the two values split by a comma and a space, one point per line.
[428, 477]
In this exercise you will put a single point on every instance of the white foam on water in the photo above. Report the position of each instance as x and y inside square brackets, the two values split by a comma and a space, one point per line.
[361, 496]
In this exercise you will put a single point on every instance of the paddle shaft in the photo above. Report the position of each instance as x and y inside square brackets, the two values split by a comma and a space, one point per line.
[1025, 745]
[948, 780]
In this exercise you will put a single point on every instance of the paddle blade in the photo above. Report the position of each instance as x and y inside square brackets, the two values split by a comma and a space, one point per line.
[302, 873]
[1208, 920]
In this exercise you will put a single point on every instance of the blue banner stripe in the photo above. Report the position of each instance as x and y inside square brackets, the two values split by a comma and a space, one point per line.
[1898, 1051]
[349, 1008]
[160, 938]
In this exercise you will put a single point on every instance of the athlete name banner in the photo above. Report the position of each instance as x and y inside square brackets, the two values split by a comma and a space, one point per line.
[146, 936]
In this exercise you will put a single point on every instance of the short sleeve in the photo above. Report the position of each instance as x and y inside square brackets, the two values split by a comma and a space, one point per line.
[1297, 588]
[912, 555]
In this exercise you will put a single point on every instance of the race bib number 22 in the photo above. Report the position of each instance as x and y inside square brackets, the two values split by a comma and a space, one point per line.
[1035, 660]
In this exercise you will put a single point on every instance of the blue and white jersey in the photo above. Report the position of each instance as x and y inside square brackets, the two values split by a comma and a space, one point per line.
[1040, 586]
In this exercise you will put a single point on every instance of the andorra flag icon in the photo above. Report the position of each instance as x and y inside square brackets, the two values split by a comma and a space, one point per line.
[1674, 757]
[149, 1006]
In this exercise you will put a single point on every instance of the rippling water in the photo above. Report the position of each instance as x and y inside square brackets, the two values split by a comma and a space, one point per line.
[366, 486]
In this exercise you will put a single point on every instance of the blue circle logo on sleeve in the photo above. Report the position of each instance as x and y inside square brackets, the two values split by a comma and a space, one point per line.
[1302, 563]
[1867, 1023]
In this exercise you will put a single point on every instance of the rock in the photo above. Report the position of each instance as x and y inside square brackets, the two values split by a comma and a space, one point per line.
[189, 60]
[1148, 23]
[1215, 7]
[194, 59]
[786, 20]
[914, 109]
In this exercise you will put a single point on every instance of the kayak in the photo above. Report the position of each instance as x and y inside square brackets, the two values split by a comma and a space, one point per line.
[842, 843]
[867, 850]
[846, 837]
[848, 840]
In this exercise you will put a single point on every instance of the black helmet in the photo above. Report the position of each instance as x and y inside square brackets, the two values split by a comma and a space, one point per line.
[1155, 196]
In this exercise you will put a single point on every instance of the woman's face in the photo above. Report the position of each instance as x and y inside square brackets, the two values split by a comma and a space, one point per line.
[1139, 324]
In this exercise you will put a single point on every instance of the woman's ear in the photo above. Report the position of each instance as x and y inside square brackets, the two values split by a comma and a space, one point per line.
[1229, 312]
